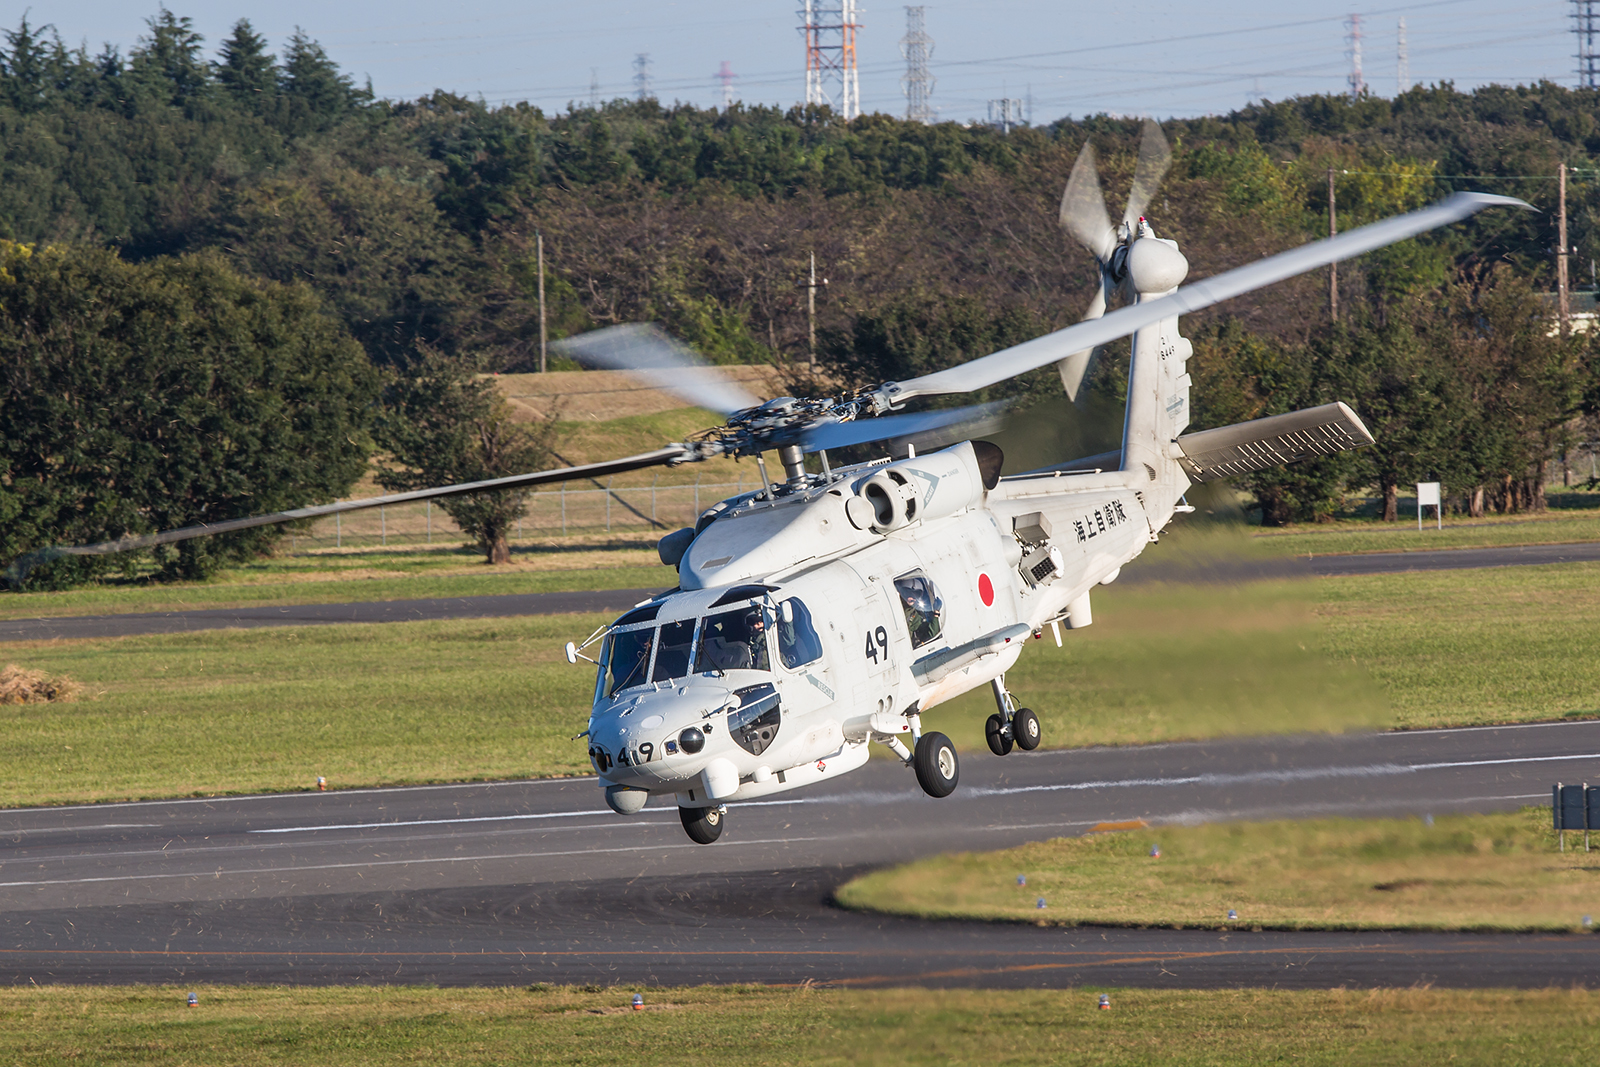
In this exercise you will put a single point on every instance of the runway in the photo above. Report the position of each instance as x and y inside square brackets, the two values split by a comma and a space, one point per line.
[618, 600]
[514, 882]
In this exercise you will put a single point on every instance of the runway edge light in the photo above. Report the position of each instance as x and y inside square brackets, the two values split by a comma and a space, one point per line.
[1105, 1002]
[194, 1000]
[638, 1002]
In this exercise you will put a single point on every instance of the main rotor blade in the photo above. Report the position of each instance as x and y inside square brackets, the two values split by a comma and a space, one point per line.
[1155, 156]
[981, 418]
[644, 350]
[515, 481]
[1083, 207]
[1052, 347]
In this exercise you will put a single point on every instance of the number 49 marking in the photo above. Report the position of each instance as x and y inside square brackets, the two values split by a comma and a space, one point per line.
[878, 644]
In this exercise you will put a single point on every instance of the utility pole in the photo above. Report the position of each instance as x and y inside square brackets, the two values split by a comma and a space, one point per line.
[538, 241]
[1563, 303]
[811, 314]
[1333, 268]
[1402, 62]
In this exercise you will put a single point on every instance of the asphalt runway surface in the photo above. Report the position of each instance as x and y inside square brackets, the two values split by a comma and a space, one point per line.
[618, 600]
[518, 882]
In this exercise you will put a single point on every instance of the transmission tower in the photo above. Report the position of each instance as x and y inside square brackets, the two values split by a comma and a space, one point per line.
[1402, 62]
[594, 88]
[641, 76]
[917, 84]
[829, 27]
[1583, 25]
[725, 75]
[1358, 84]
[1005, 115]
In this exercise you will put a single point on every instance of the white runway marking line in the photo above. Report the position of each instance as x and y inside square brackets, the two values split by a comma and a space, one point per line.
[433, 822]
[1376, 770]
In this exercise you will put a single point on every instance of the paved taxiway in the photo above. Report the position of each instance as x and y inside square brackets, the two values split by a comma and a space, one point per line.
[536, 881]
[617, 600]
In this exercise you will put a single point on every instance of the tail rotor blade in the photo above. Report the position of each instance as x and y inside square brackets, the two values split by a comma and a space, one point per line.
[645, 351]
[1083, 208]
[1155, 156]
[1075, 366]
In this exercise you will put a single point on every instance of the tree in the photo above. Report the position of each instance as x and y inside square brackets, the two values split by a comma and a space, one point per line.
[142, 397]
[247, 72]
[315, 92]
[443, 425]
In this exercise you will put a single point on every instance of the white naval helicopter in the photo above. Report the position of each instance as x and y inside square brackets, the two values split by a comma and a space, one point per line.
[831, 610]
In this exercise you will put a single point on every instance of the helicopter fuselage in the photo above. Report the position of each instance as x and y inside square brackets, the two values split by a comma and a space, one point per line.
[780, 676]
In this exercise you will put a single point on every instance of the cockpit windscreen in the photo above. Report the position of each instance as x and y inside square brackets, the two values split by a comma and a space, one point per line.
[626, 658]
[672, 651]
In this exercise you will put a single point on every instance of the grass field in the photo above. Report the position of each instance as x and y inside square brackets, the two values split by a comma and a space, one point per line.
[755, 1026]
[1558, 526]
[1464, 872]
[228, 711]
[248, 710]
[366, 574]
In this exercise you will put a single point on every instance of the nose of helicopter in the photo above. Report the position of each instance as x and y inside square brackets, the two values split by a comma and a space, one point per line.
[655, 736]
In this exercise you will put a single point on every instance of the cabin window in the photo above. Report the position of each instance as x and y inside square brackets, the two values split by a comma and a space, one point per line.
[733, 641]
[924, 608]
[672, 651]
[798, 643]
[626, 658]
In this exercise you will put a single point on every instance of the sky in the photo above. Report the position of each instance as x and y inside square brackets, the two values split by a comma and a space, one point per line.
[1068, 58]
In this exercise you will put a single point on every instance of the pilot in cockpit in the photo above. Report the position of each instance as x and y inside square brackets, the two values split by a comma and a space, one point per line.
[733, 640]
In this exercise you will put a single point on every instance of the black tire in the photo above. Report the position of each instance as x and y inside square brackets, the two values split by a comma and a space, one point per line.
[937, 768]
[703, 825]
[994, 731]
[1025, 728]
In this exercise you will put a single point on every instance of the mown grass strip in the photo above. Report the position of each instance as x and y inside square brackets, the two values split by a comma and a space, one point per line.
[229, 711]
[744, 1026]
[1462, 872]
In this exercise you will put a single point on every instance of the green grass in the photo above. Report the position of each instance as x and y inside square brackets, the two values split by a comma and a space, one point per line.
[1557, 526]
[367, 574]
[227, 711]
[1465, 872]
[755, 1026]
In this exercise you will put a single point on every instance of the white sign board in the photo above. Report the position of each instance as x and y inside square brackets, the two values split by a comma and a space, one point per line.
[1428, 497]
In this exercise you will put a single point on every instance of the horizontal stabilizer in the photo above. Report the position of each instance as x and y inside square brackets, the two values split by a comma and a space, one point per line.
[1271, 442]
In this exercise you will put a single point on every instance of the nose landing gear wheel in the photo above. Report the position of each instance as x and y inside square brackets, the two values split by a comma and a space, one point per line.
[1000, 740]
[935, 764]
[1025, 728]
[704, 825]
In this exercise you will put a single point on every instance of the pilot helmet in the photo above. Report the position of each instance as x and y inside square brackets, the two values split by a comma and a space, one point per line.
[754, 621]
[919, 597]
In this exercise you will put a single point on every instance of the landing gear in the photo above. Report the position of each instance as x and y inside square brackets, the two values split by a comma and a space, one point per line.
[1010, 725]
[998, 733]
[936, 765]
[704, 825]
[1025, 728]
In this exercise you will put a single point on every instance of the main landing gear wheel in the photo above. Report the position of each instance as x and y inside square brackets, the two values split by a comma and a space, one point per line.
[704, 825]
[936, 766]
[1025, 728]
[999, 738]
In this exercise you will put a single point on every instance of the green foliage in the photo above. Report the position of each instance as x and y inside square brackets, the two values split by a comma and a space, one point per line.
[445, 426]
[142, 397]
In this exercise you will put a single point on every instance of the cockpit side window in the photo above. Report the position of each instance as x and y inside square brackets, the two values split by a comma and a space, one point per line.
[798, 643]
[626, 658]
[733, 640]
[924, 608]
[672, 651]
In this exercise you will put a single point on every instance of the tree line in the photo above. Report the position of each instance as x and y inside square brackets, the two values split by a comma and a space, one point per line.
[400, 235]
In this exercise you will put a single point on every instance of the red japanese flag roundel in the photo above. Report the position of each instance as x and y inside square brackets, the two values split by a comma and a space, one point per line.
[986, 590]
